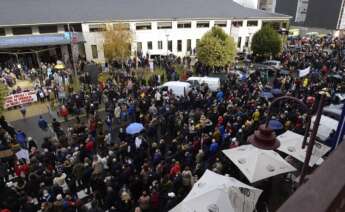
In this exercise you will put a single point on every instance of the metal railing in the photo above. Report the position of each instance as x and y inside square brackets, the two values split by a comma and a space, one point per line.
[325, 189]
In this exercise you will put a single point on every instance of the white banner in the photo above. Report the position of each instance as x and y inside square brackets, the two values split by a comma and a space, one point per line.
[20, 99]
[304, 72]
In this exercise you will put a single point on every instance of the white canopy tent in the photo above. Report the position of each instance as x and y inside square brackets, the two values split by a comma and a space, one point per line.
[291, 144]
[217, 193]
[326, 126]
[257, 164]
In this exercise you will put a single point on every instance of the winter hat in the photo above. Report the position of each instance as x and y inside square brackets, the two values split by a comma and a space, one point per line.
[59, 197]
[171, 194]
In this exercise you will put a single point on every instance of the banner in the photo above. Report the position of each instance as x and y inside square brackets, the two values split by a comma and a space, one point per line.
[20, 99]
[304, 72]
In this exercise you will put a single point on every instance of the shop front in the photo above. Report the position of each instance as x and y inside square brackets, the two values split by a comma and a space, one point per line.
[31, 50]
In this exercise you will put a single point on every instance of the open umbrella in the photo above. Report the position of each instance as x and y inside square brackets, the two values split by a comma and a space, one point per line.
[291, 144]
[326, 126]
[257, 164]
[59, 66]
[267, 95]
[215, 192]
[275, 124]
[276, 91]
[134, 128]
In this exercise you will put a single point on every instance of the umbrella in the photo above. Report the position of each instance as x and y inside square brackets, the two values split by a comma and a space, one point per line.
[257, 164]
[134, 128]
[284, 72]
[276, 91]
[267, 95]
[291, 144]
[59, 66]
[326, 126]
[214, 192]
[275, 124]
[336, 76]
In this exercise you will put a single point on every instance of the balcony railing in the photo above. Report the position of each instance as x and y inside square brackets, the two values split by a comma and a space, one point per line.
[325, 189]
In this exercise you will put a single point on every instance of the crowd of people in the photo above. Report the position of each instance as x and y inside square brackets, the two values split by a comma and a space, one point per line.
[183, 136]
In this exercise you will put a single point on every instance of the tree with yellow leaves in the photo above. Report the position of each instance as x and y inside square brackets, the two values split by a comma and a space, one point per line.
[117, 43]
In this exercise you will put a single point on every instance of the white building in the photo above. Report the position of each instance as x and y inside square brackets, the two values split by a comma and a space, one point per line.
[254, 4]
[159, 27]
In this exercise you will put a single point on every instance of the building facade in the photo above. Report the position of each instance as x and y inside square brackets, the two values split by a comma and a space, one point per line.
[178, 37]
[254, 4]
[75, 29]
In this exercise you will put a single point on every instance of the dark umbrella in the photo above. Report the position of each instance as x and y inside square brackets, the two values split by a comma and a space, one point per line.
[276, 91]
[274, 124]
[267, 95]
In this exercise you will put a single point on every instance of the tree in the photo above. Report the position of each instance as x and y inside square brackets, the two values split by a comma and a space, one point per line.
[117, 43]
[3, 94]
[266, 42]
[216, 48]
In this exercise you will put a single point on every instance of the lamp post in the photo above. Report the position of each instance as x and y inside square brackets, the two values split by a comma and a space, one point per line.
[264, 137]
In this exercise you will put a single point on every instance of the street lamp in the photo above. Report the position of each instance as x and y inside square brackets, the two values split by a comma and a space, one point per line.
[265, 138]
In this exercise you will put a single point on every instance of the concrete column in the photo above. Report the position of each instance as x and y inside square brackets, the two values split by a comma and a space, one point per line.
[65, 54]
[35, 30]
[60, 28]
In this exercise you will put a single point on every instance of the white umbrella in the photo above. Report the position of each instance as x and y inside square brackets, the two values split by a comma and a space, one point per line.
[291, 144]
[257, 164]
[326, 126]
[217, 193]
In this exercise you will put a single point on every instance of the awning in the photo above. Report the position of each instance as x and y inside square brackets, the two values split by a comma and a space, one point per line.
[36, 40]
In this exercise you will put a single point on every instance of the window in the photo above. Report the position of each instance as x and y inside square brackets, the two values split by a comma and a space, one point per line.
[239, 42]
[21, 30]
[246, 43]
[123, 26]
[252, 23]
[2, 32]
[274, 24]
[97, 27]
[179, 45]
[94, 51]
[47, 29]
[202, 24]
[170, 45]
[139, 46]
[237, 23]
[149, 45]
[220, 23]
[189, 45]
[160, 44]
[143, 26]
[184, 25]
[164, 25]
[284, 25]
[73, 28]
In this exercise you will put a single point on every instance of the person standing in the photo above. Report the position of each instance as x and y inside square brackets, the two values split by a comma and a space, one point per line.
[23, 111]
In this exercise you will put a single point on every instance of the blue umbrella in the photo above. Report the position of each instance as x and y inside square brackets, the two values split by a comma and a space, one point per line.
[276, 91]
[267, 95]
[134, 128]
[274, 124]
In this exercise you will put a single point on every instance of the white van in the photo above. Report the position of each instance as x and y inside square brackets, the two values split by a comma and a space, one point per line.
[213, 83]
[273, 63]
[178, 88]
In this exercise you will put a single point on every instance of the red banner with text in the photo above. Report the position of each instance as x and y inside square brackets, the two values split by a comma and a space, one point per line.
[20, 99]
